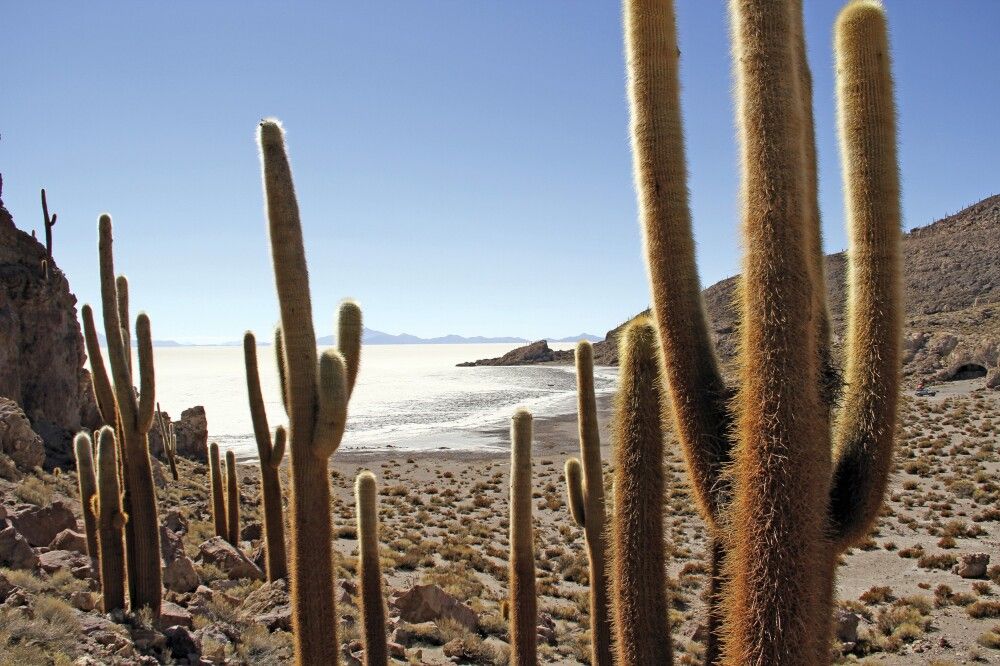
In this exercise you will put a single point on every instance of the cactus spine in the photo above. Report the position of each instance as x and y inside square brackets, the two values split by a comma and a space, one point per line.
[111, 519]
[169, 439]
[523, 597]
[370, 571]
[132, 416]
[585, 487]
[799, 491]
[270, 460]
[316, 398]
[639, 598]
[232, 501]
[84, 450]
[218, 494]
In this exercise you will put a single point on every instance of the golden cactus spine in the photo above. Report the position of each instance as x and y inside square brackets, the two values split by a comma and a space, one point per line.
[316, 397]
[87, 482]
[370, 571]
[270, 455]
[639, 593]
[132, 416]
[218, 492]
[111, 519]
[232, 501]
[523, 603]
[794, 479]
[585, 488]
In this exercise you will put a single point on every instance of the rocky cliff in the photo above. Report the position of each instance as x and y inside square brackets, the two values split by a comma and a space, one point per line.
[41, 347]
[951, 277]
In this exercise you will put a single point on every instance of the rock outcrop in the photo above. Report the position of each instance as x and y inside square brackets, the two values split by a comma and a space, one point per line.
[41, 347]
[17, 440]
[192, 435]
[536, 352]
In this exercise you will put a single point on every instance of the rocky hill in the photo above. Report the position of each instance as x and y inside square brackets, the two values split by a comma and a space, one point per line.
[951, 272]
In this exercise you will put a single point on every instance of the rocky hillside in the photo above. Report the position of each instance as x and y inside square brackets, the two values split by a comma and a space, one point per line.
[951, 274]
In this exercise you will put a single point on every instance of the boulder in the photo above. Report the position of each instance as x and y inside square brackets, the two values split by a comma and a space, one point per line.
[15, 551]
[54, 560]
[191, 432]
[183, 644]
[85, 601]
[172, 615]
[181, 576]
[17, 440]
[41, 524]
[175, 521]
[846, 625]
[171, 546]
[268, 605]
[972, 565]
[70, 539]
[221, 553]
[423, 603]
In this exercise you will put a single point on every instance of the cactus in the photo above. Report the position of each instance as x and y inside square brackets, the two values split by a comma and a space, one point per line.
[370, 571]
[270, 460]
[316, 395]
[523, 608]
[169, 439]
[232, 500]
[585, 488]
[84, 450]
[111, 520]
[49, 223]
[218, 494]
[638, 574]
[131, 414]
[782, 489]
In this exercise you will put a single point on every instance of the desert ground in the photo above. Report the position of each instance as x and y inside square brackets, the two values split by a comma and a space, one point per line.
[444, 523]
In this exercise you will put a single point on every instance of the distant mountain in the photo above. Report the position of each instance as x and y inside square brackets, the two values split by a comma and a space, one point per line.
[576, 338]
[373, 337]
[103, 341]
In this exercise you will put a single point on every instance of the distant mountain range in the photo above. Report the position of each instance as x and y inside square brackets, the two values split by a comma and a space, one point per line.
[373, 337]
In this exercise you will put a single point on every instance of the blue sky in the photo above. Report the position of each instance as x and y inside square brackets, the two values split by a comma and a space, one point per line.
[462, 167]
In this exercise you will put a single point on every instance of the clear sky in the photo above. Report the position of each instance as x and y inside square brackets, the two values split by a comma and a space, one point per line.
[462, 166]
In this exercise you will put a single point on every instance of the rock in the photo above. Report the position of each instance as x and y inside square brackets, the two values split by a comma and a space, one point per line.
[268, 605]
[41, 524]
[183, 644]
[15, 551]
[235, 564]
[405, 634]
[54, 560]
[171, 546]
[70, 540]
[252, 531]
[159, 478]
[192, 436]
[85, 601]
[972, 565]
[175, 521]
[6, 587]
[41, 347]
[171, 615]
[396, 650]
[148, 640]
[846, 624]
[181, 576]
[422, 603]
[17, 439]
[536, 352]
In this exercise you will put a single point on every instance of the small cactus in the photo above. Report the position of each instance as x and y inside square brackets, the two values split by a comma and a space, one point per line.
[84, 449]
[218, 494]
[370, 571]
[49, 221]
[111, 519]
[523, 608]
[232, 500]
[169, 439]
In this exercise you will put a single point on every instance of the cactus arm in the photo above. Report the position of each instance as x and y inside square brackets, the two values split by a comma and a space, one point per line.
[523, 596]
[697, 392]
[573, 472]
[218, 496]
[147, 375]
[639, 597]
[232, 500]
[110, 521]
[121, 285]
[278, 450]
[370, 572]
[117, 352]
[349, 332]
[866, 424]
[103, 391]
[87, 481]
[332, 415]
[258, 416]
[279, 355]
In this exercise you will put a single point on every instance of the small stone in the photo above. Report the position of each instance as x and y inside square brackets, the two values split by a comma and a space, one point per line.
[972, 565]
[235, 564]
[70, 540]
[85, 601]
[182, 643]
[181, 576]
[847, 626]
[172, 615]
[15, 551]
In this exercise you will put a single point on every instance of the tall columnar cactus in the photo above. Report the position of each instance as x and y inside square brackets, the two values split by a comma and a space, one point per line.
[523, 608]
[638, 575]
[218, 492]
[232, 500]
[111, 519]
[49, 221]
[131, 414]
[370, 571]
[270, 455]
[87, 481]
[169, 439]
[798, 490]
[585, 488]
[317, 392]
